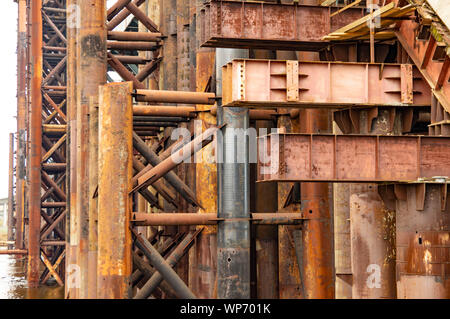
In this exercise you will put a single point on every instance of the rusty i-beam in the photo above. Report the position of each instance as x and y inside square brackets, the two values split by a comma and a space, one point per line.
[114, 201]
[34, 201]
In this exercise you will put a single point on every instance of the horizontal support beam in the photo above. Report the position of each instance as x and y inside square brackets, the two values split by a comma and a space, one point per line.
[161, 96]
[275, 26]
[352, 158]
[14, 252]
[185, 219]
[132, 45]
[134, 36]
[160, 110]
[269, 83]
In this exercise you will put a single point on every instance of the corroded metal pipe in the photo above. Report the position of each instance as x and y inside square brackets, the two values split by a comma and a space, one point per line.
[159, 110]
[176, 158]
[134, 36]
[14, 252]
[34, 208]
[131, 45]
[114, 202]
[163, 267]
[178, 219]
[170, 176]
[160, 96]
[172, 260]
[21, 121]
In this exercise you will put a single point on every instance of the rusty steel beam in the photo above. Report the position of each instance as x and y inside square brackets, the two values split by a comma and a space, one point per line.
[269, 83]
[170, 176]
[172, 260]
[131, 45]
[34, 201]
[421, 51]
[178, 219]
[14, 252]
[90, 73]
[161, 96]
[175, 159]
[257, 25]
[163, 267]
[132, 59]
[160, 110]
[134, 36]
[114, 201]
[120, 16]
[353, 158]
[116, 8]
[22, 47]
[422, 240]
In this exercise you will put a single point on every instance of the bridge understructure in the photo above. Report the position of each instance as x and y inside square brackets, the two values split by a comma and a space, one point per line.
[232, 149]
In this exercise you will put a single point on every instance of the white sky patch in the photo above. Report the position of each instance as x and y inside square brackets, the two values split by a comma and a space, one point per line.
[8, 87]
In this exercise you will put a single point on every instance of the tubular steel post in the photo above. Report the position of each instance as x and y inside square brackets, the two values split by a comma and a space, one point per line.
[10, 237]
[203, 259]
[91, 74]
[114, 201]
[233, 237]
[317, 232]
[21, 120]
[72, 238]
[36, 146]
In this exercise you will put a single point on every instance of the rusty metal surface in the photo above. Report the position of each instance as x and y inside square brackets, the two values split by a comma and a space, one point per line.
[36, 145]
[422, 241]
[422, 51]
[290, 281]
[354, 158]
[175, 159]
[114, 201]
[160, 96]
[269, 83]
[22, 73]
[372, 245]
[238, 24]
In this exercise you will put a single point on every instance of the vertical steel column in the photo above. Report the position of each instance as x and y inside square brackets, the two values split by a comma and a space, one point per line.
[317, 233]
[423, 241]
[10, 190]
[91, 73]
[233, 237]
[21, 120]
[266, 236]
[36, 146]
[114, 202]
[372, 230]
[291, 284]
[72, 238]
[183, 84]
[203, 259]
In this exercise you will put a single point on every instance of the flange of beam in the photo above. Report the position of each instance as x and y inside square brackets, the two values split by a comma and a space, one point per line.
[352, 158]
[269, 83]
[239, 24]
